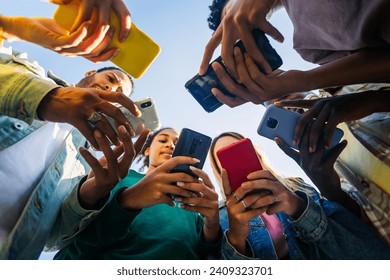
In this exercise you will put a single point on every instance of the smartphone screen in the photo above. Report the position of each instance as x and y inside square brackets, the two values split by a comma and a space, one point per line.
[200, 86]
[239, 159]
[192, 144]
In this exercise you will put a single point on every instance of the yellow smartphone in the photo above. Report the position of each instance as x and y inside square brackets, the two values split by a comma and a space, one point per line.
[136, 53]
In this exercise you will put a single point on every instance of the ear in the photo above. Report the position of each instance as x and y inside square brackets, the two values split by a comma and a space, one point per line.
[90, 73]
[147, 152]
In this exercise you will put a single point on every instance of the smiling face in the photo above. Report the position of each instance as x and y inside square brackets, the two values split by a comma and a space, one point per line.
[161, 148]
[112, 80]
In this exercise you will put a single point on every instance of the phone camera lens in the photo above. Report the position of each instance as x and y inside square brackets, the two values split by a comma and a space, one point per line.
[146, 104]
[272, 123]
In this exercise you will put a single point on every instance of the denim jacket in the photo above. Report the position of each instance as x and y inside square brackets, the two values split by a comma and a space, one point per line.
[325, 230]
[43, 220]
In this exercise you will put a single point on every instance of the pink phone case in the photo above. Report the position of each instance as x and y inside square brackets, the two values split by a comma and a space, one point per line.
[239, 159]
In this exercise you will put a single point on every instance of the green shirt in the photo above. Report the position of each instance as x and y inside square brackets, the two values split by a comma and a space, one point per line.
[156, 232]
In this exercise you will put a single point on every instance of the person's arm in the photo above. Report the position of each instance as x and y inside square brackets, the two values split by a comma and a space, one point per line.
[229, 251]
[90, 36]
[329, 231]
[327, 113]
[205, 203]
[22, 88]
[27, 95]
[369, 65]
[92, 194]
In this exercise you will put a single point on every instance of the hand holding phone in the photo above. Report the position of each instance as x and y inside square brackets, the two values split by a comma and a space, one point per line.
[200, 86]
[239, 159]
[136, 53]
[280, 122]
[148, 120]
[192, 144]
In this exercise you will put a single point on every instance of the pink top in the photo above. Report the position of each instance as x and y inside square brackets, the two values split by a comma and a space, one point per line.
[275, 229]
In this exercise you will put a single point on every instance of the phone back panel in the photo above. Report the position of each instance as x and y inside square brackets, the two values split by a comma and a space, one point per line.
[192, 144]
[200, 86]
[280, 122]
[239, 159]
[136, 53]
[149, 118]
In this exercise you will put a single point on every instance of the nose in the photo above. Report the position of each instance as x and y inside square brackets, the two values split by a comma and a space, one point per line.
[114, 88]
[171, 145]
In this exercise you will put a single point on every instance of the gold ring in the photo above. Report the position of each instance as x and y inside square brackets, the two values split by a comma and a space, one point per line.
[236, 197]
[244, 204]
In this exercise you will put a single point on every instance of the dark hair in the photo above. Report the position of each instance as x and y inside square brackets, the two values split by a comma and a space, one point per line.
[214, 18]
[119, 69]
[148, 143]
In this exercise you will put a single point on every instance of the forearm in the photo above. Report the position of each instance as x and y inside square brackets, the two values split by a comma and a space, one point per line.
[12, 28]
[325, 223]
[210, 234]
[361, 67]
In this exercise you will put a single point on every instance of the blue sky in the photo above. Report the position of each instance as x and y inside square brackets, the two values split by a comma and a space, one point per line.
[180, 28]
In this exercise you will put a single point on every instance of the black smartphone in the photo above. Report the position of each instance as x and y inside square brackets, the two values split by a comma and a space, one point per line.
[200, 86]
[192, 144]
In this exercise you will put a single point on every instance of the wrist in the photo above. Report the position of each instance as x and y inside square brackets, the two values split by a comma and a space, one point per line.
[238, 242]
[124, 200]
[300, 207]
[44, 105]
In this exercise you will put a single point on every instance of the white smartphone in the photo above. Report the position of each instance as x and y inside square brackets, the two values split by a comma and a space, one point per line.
[280, 122]
[149, 119]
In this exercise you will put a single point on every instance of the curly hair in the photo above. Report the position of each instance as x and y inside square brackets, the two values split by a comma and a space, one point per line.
[148, 143]
[214, 19]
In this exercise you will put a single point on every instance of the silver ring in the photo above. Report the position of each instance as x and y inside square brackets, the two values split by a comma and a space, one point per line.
[275, 199]
[236, 197]
[94, 118]
[244, 204]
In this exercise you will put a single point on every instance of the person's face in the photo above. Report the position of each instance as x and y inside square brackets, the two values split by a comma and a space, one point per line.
[112, 80]
[161, 148]
[223, 142]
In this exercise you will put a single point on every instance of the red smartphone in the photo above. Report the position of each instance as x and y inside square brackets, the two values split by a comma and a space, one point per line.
[239, 159]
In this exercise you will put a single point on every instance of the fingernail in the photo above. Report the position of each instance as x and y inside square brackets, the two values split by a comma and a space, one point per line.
[180, 184]
[311, 149]
[115, 52]
[122, 129]
[178, 198]
[123, 37]
[277, 140]
[193, 168]
[195, 160]
[295, 142]
[98, 134]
